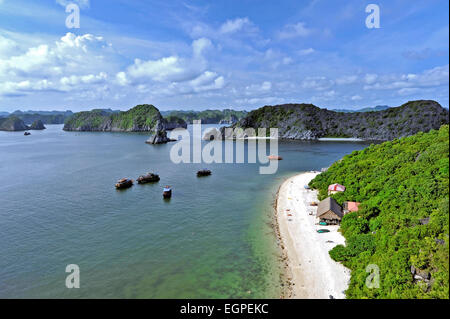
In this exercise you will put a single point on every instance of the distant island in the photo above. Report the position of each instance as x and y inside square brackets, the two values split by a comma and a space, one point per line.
[309, 122]
[226, 116]
[366, 109]
[13, 123]
[46, 117]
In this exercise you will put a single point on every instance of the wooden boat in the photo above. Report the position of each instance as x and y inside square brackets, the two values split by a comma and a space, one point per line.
[124, 183]
[167, 192]
[27, 133]
[203, 172]
[323, 223]
[313, 204]
[275, 158]
[321, 231]
[148, 178]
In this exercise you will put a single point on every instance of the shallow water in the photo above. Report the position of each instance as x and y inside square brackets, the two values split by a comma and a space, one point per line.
[58, 206]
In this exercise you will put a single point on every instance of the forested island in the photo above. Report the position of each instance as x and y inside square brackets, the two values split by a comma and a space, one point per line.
[309, 122]
[141, 118]
[46, 117]
[402, 225]
[226, 116]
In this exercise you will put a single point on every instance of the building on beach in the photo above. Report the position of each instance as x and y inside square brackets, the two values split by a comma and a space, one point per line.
[329, 211]
[350, 207]
[335, 188]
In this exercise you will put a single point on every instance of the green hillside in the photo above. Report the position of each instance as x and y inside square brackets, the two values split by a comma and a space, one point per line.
[403, 222]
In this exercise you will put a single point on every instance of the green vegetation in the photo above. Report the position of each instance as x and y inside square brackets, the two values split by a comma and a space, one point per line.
[139, 118]
[175, 119]
[402, 225]
[208, 116]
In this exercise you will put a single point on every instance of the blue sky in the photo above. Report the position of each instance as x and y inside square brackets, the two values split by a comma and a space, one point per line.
[223, 53]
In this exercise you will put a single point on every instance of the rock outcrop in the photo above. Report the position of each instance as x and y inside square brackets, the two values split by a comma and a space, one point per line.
[37, 125]
[308, 122]
[212, 134]
[12, 123]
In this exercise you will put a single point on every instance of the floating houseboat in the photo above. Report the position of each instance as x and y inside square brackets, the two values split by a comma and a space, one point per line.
[203, 172]
[148, 178]
[124, 183]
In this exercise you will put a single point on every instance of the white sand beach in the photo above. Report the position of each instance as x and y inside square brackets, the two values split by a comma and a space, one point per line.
[314, 274]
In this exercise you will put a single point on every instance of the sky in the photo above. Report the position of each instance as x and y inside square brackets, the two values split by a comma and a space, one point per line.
[200, 54]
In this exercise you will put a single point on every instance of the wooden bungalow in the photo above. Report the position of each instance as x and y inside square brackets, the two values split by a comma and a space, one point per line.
[329, 211]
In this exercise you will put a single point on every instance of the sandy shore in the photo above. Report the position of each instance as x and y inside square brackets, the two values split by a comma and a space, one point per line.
[313, 273]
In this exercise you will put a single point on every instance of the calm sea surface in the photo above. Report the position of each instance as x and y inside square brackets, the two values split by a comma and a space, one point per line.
[58, 206]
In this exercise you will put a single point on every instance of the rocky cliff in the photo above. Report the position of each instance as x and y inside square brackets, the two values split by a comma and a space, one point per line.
[309, 122]
[37, 125]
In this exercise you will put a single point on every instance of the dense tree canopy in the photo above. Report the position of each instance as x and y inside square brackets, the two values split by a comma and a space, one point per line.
[402, 225]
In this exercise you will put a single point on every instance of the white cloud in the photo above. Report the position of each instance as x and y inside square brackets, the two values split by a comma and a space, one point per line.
[318, 83]
[231, 26]
[370, 78]
[356, 98]
[80, 3]
[306, 51]
[168, 69]
[200, 45]
[7, 46]
[75, 80]
[344, 80]
[435, 77]
[294, 30]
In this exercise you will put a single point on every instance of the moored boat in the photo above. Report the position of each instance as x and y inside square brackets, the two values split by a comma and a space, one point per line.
[203, 172]
[124, 183]
[167, 192]
[27, 133]
[148, 178]
[275, 158]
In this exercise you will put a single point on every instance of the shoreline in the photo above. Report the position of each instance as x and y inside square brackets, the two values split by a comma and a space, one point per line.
[311, 272]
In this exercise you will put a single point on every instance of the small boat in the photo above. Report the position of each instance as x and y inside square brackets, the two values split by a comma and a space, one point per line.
[124, 183]
[27, 133]
[307, 187]
[323, 224]
[321, 231]
[167, 192]
[313, 204]
[275, 158]
[148, 178]
[203, 172]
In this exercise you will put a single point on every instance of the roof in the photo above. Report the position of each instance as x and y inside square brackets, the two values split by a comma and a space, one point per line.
[329, 204]
[336, 187]
[351, 206]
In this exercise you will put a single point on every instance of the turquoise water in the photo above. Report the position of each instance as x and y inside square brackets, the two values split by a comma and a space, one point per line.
[213, 239]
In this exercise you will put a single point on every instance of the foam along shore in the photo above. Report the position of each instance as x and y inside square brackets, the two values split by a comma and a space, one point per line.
[340, 139]
[314, 274]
